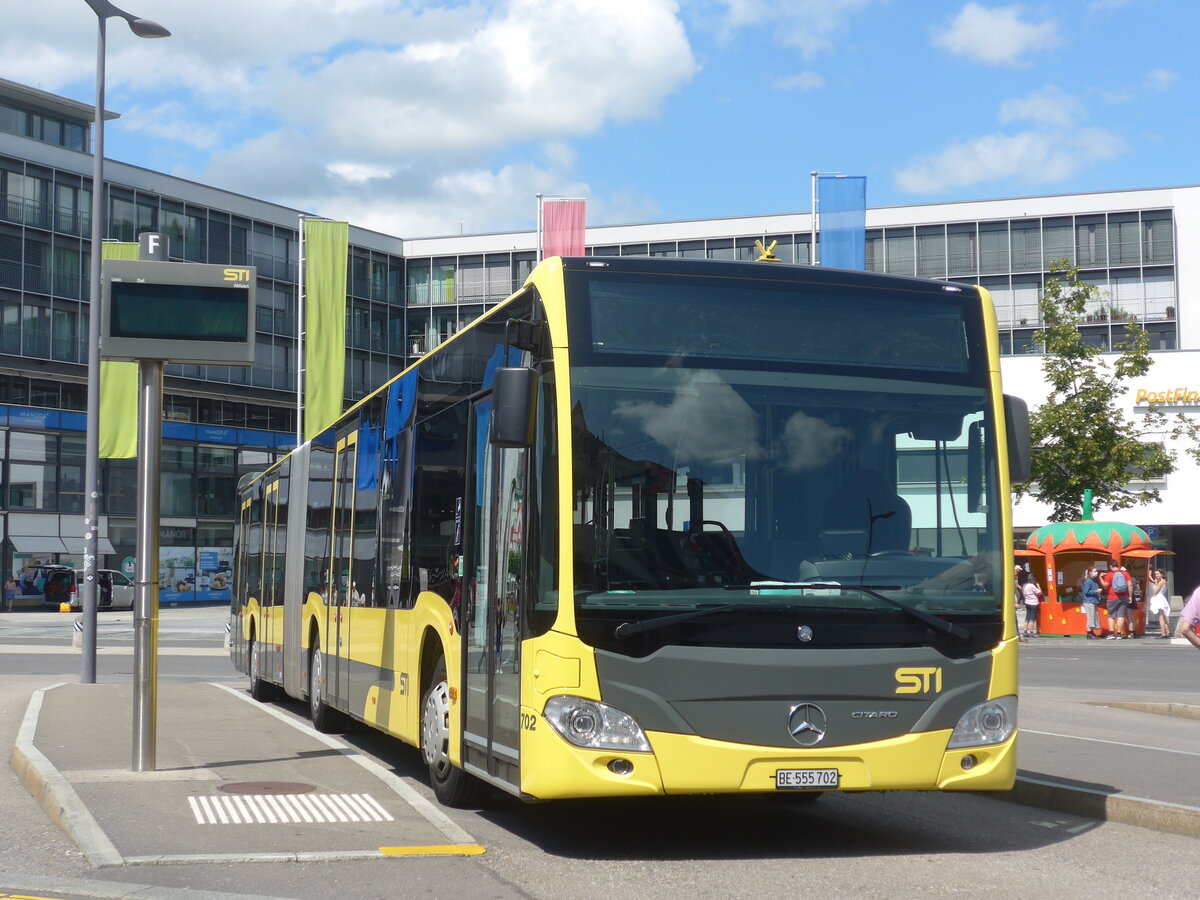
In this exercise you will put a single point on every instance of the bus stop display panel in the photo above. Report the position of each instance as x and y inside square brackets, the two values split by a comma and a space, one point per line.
[178, 312]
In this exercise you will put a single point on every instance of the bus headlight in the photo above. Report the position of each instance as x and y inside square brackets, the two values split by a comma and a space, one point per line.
[595, 725]
[992, 722]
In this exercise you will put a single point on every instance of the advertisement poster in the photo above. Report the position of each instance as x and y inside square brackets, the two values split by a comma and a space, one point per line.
[28, 573]
[188, 576]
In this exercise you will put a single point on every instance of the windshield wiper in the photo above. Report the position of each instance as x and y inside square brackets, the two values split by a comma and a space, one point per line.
[641, 626]
[871, 590]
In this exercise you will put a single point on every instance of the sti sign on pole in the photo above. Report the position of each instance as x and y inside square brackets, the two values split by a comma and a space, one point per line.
[186, 313]
[156, 312]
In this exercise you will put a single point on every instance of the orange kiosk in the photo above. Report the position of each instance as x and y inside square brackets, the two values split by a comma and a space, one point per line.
[1060, 553]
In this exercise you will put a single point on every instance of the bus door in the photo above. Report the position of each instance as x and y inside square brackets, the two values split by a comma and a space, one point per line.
[493, 565]
[342, 587]
[274, 541]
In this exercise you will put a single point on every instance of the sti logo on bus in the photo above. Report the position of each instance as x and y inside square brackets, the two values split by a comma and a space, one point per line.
[237, 274]
[919, 681]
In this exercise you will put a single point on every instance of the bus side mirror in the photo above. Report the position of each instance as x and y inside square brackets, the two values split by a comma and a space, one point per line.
[974, 466]
[513, 395]
[1020, 446]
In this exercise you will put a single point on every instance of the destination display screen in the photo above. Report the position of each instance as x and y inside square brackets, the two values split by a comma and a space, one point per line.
[178, 311]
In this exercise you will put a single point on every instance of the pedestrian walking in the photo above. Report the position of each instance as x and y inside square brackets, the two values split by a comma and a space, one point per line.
[1118, 601]
[11, 589]
[1091, 601]
[1019, 600]
[1031, 592]
[1160, 604]
[1189, 619]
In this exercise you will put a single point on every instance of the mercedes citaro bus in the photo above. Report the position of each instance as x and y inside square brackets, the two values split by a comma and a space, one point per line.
[661, 526]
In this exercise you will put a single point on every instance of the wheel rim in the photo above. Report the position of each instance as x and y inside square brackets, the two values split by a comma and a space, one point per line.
[435, 730]
[314, 683]
[255, 661]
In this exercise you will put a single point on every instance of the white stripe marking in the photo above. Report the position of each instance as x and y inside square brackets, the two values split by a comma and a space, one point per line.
[371, 802]
[362, 814]
[262, 809]
[339, 804]
[1116, 743]
[275, 812]
[293, 803]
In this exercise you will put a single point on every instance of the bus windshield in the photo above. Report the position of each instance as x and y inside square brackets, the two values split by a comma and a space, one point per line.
[821, 480]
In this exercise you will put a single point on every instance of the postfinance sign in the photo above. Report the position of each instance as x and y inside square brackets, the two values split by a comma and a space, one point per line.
[1178, 396]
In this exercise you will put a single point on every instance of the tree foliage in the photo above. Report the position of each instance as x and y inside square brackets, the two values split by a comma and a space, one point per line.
[1081, 437]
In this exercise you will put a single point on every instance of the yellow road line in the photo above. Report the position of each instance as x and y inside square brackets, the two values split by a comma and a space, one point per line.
[434, 850]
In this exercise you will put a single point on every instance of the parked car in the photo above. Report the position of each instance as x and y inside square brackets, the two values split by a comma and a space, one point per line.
[114, 589]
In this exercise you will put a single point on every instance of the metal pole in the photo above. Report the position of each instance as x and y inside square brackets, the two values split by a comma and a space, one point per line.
[812, 222]
[91, 458]
[145, 616]
[540, 246]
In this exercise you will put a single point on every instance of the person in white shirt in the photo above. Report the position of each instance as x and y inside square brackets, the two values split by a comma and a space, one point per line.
[1031, 592]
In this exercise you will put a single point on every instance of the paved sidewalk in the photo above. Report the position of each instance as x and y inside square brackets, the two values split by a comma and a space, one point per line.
[235, 780]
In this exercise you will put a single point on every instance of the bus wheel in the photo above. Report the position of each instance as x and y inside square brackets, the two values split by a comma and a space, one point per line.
[260, 689]
[451, 785]
[324, 717]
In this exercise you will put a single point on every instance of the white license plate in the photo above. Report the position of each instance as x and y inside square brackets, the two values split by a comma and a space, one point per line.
[806, 779]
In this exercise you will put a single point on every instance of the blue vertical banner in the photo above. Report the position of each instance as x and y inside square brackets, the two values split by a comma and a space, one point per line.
[843, 207]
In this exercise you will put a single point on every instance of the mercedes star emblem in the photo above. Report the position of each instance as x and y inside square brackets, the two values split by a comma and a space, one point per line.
[806, 724]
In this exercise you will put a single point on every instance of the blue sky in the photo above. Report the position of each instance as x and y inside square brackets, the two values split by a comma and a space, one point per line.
[413, 117]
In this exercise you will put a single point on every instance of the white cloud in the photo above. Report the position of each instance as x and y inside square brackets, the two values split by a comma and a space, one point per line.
[1160, 78]
[1154, 80]
[997, 36]
[808, 25]
[358, 173]
[1049, 106]
[171, 121]
[706, 421]
[802, 81]
[397, 109]
[1031, 157]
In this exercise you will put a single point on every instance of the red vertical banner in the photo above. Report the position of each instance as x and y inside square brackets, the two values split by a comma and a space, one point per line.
[564, 224]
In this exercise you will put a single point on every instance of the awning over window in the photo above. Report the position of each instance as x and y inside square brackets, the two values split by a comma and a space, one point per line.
[35, 544]
[75, 545]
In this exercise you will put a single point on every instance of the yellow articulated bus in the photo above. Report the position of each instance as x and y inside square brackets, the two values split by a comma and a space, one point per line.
[662, 526]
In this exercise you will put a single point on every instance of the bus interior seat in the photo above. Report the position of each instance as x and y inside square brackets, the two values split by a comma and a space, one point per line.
[866, 515]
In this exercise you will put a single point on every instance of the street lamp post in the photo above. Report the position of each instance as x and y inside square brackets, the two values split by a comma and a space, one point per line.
[91, 472]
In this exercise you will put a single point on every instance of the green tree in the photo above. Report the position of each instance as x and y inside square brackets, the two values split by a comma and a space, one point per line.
[1081, 437]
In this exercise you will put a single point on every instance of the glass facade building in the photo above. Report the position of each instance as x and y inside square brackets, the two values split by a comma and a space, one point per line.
[406, 295]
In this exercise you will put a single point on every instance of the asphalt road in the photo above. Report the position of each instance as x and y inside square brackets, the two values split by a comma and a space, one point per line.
[862, 845]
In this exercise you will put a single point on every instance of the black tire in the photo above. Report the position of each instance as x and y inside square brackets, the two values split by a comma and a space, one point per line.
[260, 689]
[451, 785]
[324, 717]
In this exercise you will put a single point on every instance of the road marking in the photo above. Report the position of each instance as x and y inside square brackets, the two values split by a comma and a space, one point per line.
[263, 809]
[1076, 737]
[435, 850]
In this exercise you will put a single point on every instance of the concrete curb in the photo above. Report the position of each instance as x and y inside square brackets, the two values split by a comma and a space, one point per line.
[1179, 710]
[1045, 793]
[55, 794]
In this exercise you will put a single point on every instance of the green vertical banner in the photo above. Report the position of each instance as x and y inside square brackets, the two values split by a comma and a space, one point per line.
[325, 247]
[118, 386]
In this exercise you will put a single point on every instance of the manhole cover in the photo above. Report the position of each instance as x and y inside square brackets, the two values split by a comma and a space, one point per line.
[267, 787]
